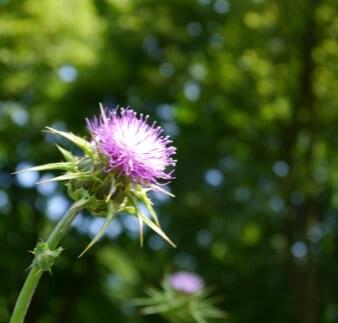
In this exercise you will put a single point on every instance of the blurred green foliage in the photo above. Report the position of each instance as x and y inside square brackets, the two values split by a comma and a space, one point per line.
[248, 91]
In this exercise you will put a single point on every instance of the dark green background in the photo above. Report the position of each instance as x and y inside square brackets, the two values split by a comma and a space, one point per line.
[249, 92]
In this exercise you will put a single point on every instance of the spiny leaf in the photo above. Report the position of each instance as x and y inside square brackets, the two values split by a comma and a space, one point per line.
[155, 228]
[112, 190]
[65, 177]
[214, 313]
[67, 155]
[198, 317]
[150, 224]
[80, 142]
[162, 190]
[143, 301]
[140, 222]
[108, 220]
[129, 209]
[149, 310]
[52, 166]
[149, 205]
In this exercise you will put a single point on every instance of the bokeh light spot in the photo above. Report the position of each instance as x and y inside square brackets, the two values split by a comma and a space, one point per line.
[68, 73]
[57, 206]
[26, 179]
[4, 200]
[276, 203]
[281, 168]
[214, 177]
[165, 112]
[204, 238]
[299, 249]
[194, 29]
[156, 243]
[46, 188]
[19, 115]
[221, 6]
[167, 69]
[192, 91]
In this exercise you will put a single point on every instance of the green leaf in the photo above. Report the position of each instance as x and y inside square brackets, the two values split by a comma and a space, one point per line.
[67, 166]
[80, 142]
[149, 205]
[160, 189]
[151, 224]
[65, 177]
[67, 155]
[104, 227]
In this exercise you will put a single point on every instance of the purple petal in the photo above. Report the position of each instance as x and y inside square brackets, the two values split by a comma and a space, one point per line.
[186, 282]
[133, 147]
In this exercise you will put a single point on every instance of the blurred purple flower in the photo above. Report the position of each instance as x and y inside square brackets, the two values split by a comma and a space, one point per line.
[133, 148]
[186, 282]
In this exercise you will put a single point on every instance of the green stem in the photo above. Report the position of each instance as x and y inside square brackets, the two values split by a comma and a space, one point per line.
[35, 272]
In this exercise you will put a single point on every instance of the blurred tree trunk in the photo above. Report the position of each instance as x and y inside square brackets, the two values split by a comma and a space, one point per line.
[309, 308]
[304, 272]
[300, 219]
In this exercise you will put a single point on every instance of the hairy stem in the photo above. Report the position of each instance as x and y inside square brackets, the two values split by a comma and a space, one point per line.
[35, 273]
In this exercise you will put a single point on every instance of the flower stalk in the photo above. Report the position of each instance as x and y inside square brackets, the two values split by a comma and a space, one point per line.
[45, 255]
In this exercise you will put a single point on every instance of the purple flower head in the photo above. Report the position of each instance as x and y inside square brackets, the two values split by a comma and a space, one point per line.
[186, 282]
[132, 146]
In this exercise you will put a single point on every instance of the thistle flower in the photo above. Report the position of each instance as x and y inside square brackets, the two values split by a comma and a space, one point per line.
[132, 147]
[124, 159]
[186, 282]
[182, 298]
